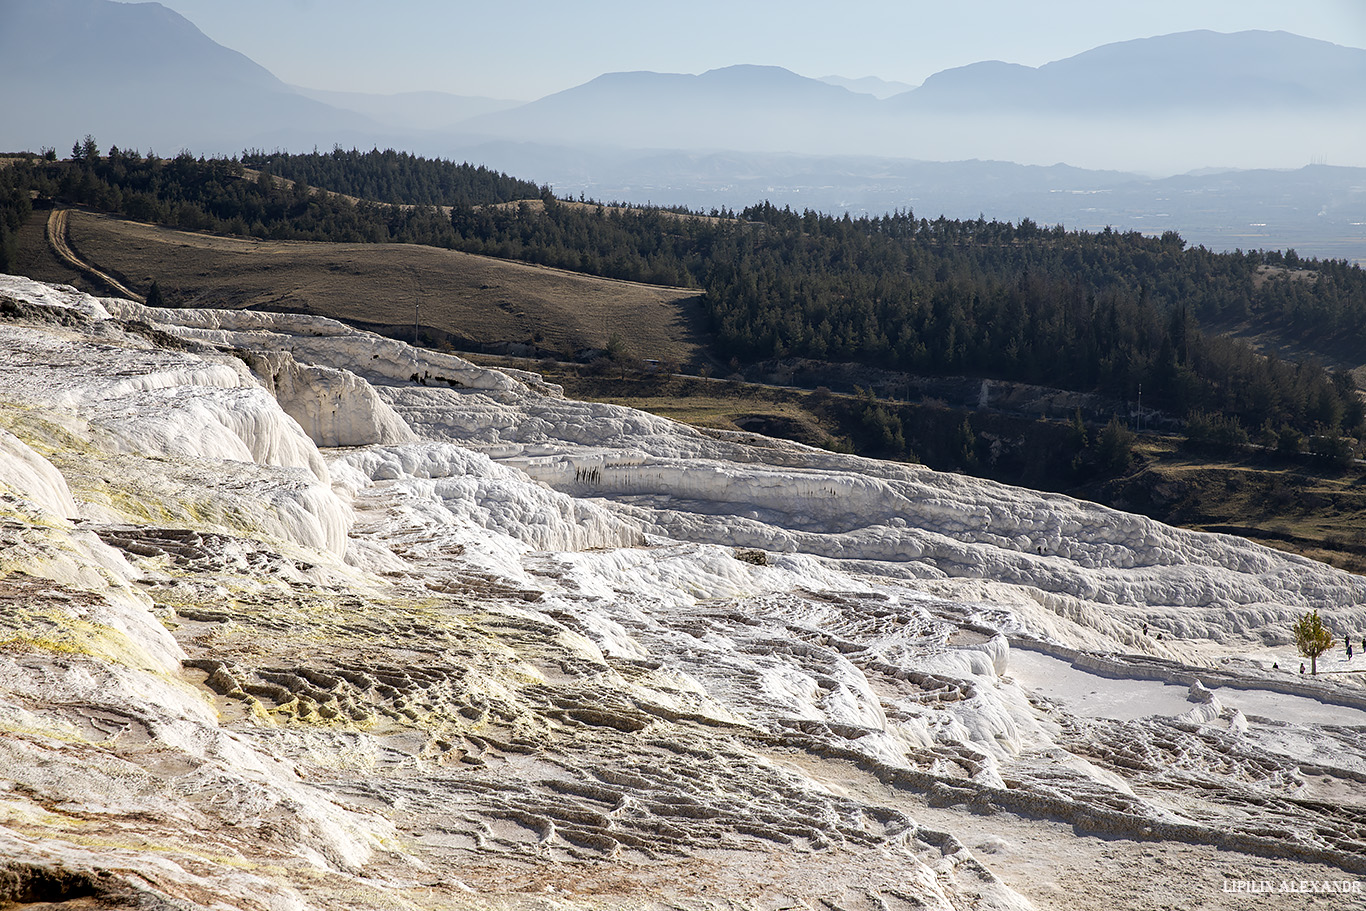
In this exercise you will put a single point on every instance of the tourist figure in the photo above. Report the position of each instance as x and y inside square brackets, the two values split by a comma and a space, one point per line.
[1349, 651]
[1301, 667]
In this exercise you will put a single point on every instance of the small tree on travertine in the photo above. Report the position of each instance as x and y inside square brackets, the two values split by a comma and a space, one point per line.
[1312, 638]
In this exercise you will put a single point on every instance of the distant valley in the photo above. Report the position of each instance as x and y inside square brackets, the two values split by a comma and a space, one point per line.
[1318, 210]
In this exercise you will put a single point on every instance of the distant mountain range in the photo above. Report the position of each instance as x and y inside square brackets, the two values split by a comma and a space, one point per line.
[139, 75]
[746, 107]
[1201, 72]
[419, 111]
[1167, 104]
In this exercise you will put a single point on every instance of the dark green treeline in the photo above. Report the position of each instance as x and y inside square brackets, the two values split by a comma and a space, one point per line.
[1095, 312]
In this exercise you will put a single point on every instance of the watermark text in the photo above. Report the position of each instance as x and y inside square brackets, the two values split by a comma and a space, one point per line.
[1302, 886]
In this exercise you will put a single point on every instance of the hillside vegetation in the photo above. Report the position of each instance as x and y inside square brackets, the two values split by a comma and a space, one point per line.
[979, 298]
[399, 178]
[216, 195]
[895, 292]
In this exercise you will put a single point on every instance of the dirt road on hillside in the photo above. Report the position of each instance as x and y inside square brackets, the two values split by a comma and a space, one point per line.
[61, 246]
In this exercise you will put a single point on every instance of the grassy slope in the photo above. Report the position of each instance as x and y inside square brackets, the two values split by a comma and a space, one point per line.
[472, 301]
[1300, 506]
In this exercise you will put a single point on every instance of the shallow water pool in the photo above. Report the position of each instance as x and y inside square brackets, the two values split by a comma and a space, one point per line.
[1094, 696]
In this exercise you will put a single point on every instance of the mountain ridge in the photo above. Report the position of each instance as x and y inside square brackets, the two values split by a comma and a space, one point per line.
[1163, 98]
[144, 76]
[159, 41]
[1183, 70]
[424, 110]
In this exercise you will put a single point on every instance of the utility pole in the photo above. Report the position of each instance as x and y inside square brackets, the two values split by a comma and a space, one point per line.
[417, 313]
[1140, 407]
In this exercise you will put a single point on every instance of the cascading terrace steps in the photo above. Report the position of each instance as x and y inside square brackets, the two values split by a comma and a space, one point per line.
[292, 616]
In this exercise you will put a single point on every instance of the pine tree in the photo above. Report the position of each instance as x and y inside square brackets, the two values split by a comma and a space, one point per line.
[966, 444]
[1114, 446]
[1312, 638]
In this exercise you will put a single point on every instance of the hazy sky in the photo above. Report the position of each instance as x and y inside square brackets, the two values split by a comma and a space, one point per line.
[523, 49]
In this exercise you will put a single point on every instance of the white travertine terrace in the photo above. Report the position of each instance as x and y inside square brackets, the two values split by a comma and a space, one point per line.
[295, 616]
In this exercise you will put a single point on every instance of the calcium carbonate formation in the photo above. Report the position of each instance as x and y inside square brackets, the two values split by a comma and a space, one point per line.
[296, 616]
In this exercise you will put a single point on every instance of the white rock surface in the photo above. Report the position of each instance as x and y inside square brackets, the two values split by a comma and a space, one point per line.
[295, 616]
[24, 473]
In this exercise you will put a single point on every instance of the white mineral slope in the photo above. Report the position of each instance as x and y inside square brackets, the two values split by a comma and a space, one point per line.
[121, 444]
[333, 407]
[23, 470]
[316, 339]
[99, 728]
[446, 487]
[1082, 565]
[158, 412]
[1068, 557]
[42, 543]
[492, 648]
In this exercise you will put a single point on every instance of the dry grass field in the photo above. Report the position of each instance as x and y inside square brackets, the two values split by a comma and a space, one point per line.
[719, 404]
[471, 301]
[1301, 506]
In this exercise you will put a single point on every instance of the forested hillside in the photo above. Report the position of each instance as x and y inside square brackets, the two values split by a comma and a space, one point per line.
[1100, 312]
[395, 177]
[1094, 312]
[217, 195]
